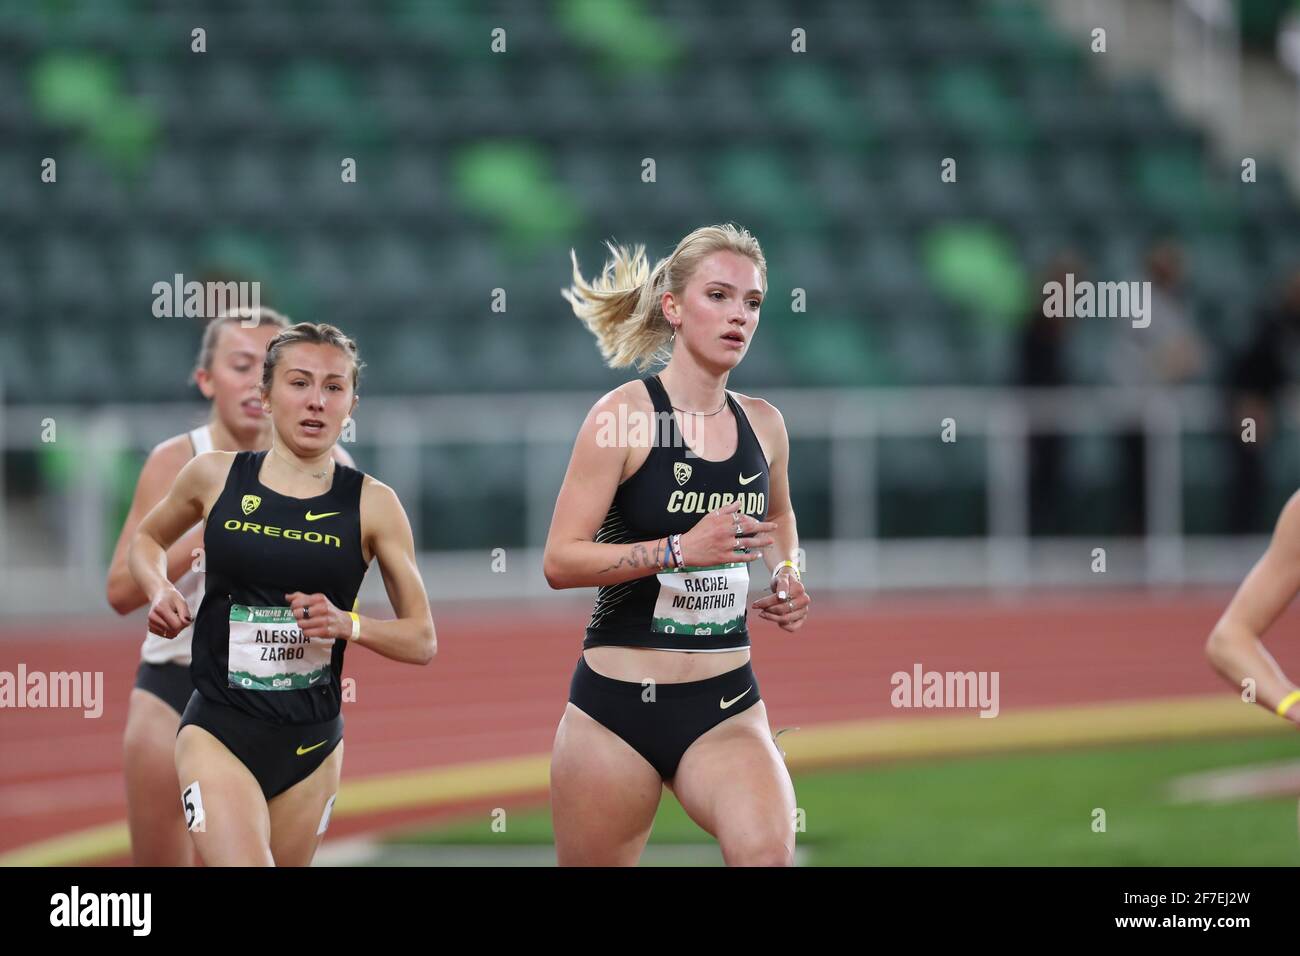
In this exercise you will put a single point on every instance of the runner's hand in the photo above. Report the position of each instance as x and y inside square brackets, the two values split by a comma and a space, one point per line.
[322, 619]
[713, 539]
[168, 613]
[788, 605]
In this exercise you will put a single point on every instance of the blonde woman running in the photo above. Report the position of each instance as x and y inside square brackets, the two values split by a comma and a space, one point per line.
[667, 521]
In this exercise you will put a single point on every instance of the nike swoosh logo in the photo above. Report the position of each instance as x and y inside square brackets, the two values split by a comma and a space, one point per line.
[328, 514]
[306, 750]
[730, 629]
[745, 481]
[724, 703]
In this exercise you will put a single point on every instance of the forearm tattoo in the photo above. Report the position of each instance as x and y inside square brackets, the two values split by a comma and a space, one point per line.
[639, 557]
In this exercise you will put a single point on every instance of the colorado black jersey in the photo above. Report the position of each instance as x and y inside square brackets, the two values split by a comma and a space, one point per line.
[249, 652]
[691, 609]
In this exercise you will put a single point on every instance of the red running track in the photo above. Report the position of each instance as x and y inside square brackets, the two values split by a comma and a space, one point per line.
[500, 680]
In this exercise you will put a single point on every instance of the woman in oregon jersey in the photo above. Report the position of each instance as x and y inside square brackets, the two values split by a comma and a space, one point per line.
[674, 487]
[227, 372]
[1235, 648]
[288, 536]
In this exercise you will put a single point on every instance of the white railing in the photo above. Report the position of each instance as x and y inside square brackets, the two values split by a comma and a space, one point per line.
[62, 564]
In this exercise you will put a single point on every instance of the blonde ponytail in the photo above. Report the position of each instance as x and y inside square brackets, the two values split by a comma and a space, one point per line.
[623, 306]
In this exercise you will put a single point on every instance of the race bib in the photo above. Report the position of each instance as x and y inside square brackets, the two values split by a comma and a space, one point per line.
[268, 651]
[702, 600]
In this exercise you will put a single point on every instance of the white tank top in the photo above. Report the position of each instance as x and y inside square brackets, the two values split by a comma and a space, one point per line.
[160, 650]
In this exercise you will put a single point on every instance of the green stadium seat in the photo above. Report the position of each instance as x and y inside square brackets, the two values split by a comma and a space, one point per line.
[81, 364]
[20, 381]
[1089, 182]
[972, 100]
[21, 200]
[892, 102]
[248, 183]
[73, 275]
[315, 180]
[760, 183]
[229, 163]
[809, 97]
[1175, 182]
[564, 100]
[234, 96]
[884, 271]
[831, 350]
[1006, 184]
[975, 265]
[922, 195]
[315, 96]
[16, 119]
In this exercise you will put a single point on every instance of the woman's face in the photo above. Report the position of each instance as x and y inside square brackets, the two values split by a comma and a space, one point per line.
[717, 314]
[233, 383]
[311, 396]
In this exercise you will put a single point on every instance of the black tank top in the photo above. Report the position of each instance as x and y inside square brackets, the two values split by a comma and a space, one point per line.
[259, 546]
[696, 609]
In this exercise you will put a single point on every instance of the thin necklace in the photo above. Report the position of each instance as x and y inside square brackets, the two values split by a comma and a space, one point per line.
[314, 474]
[701, 414]
[704, 414]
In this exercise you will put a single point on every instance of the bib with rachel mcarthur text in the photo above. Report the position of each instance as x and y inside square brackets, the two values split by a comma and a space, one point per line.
[706, 600]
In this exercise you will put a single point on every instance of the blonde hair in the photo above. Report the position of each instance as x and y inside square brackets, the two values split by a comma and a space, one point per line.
[312, 333]
[623, 306]
[208, 344]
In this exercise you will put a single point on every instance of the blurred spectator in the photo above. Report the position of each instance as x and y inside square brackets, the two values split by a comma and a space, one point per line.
[1256, 378]
[1041, 363]
[1168, 352]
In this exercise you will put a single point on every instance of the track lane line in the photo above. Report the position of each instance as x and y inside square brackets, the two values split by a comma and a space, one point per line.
[820, 746]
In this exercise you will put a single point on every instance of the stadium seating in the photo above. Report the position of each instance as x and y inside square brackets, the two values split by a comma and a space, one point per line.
[229, 161]
[478, 170]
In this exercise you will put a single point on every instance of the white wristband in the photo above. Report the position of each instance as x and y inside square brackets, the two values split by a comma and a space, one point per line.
[356, 625]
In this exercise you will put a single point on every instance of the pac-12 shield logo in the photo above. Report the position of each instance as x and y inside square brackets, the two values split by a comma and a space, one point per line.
[682, 472]
[250, 503]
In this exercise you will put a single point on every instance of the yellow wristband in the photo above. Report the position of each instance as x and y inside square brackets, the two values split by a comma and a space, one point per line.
[1287, 702]
[356, 625]
[787, 564]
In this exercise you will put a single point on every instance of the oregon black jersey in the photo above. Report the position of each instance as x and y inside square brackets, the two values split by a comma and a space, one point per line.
[260, 545]
[694, 609]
